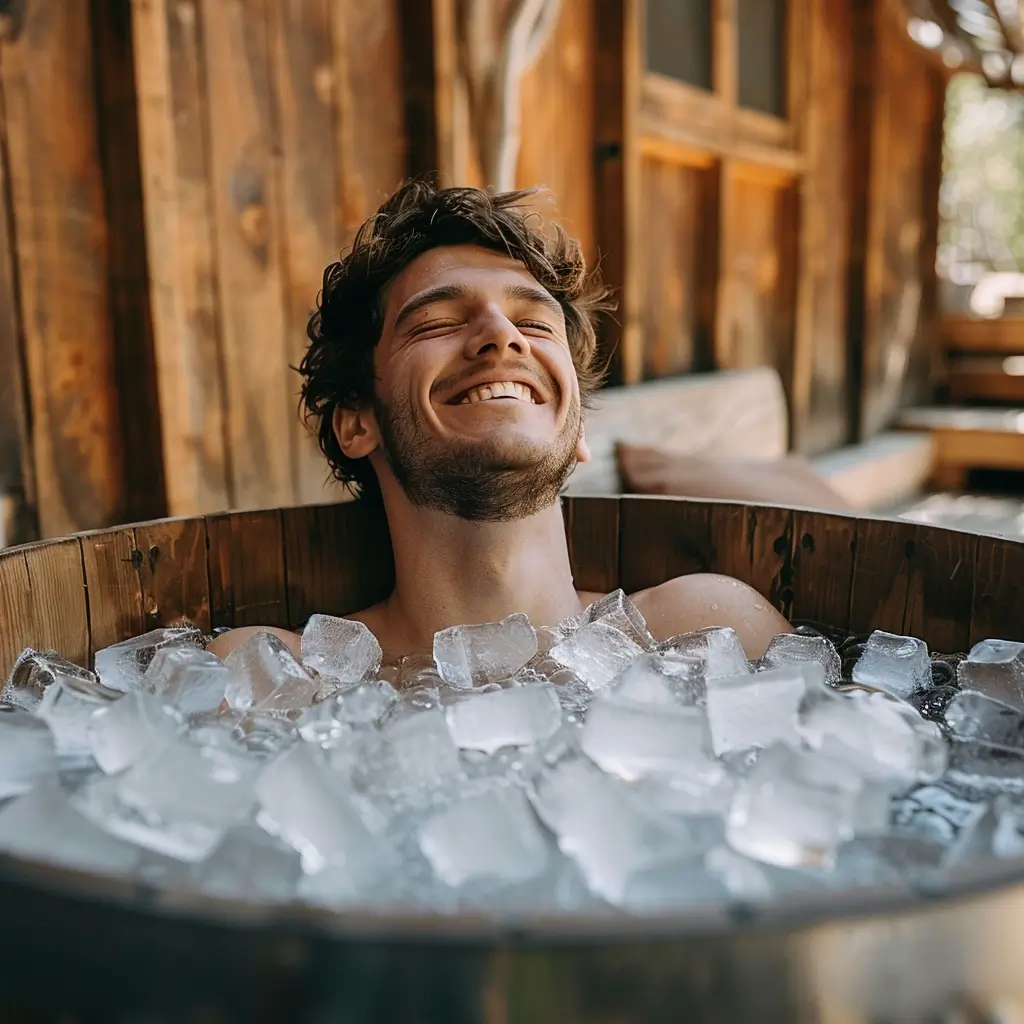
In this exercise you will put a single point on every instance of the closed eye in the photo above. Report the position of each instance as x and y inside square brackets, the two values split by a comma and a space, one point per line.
[536, 325]
[435, 325]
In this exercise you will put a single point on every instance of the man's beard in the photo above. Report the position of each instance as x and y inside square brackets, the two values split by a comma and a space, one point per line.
[486, 481]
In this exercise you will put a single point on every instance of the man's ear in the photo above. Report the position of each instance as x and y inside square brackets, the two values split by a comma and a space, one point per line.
[356, 431]
[582, 448]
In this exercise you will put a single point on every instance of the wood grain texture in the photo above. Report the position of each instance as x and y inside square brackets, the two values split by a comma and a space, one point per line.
[17, 470]
[660, 538]
[592, 531]
[247, 569]
[882, 568]
[758, 288]
[43, 602]
[754, 544]
[338, 559]
[995, 610]
[820, 417]
[679, 212]
[906, 100]
[941, 587]
[62, 251]
[371, 153]
[131, 320]
[114, 582]
[306, 85]
[173, 572]
[247, 206]
[823, 553]
[557, 96]
[170, 61]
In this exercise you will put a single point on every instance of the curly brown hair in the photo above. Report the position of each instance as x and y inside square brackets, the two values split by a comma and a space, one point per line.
[346, 326]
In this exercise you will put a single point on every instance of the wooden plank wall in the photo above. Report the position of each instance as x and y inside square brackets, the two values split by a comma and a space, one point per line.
[277, 567]
[270, 131]
[79, 349]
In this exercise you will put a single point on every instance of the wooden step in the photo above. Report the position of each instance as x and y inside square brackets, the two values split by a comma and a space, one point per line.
[967, 334]
[969, 439]
[988, 378]
[881, 473]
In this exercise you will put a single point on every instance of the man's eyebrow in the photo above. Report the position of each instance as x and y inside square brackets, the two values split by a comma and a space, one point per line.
[439, 293]
[534, 293]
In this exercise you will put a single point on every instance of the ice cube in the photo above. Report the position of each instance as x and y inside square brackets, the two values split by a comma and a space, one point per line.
[485, 653]
[33, 672]
[42, 826]
[123, 665]
[492, 835]
[718, 647]
[263, 735]
[794, 649]
[410, 671]
[179, 800]
[756, 710]
[515, 717]
[636, 740]
[706, 793]
[744, 879]
[659, 678]
[302, 803]
[615, 609]
[341, 649]
[597, 653]
[897, 664]
[996, 669]
[934, 814]
[27, 756]
[415, 756]
[366, 704]
[67, 706]
[985, 767]
[793, 809]
[249, 864]
[1008, 837]
[877, 735]
[974, 716]
[675, 886]
[266, 675]
[120, 733]
[191, 679]
[604, 827]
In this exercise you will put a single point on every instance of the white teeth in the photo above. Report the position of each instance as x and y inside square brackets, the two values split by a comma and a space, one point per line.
[498, 389]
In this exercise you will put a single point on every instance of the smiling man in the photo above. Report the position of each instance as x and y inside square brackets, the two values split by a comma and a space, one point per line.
[450, 363]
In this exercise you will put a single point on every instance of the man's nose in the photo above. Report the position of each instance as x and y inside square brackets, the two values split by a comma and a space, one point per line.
[497, 336]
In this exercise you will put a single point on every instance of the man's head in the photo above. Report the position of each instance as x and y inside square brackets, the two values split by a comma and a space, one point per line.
[452, 353]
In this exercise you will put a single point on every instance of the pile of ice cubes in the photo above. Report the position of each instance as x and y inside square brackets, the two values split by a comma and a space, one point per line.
[583, 767]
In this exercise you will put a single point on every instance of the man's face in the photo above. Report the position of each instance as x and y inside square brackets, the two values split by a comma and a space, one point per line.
[477, 401]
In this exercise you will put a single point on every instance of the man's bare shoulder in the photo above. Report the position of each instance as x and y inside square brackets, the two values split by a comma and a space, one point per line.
[224, 644]
[706, 599]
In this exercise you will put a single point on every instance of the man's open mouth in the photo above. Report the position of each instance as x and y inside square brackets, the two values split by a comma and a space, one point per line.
[507, 389]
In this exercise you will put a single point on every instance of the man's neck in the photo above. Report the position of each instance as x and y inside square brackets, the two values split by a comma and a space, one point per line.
[450, 571]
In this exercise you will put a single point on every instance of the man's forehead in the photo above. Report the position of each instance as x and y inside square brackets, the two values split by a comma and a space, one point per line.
[469, 265]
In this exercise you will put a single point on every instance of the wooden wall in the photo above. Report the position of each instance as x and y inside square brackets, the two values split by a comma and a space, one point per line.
[270, 130]
[79, 435]
[169, 199]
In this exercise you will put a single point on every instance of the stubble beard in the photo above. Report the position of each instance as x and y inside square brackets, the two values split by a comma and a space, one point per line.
[487, 481]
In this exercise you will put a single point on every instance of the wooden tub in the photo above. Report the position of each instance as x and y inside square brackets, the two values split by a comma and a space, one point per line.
[105, 950]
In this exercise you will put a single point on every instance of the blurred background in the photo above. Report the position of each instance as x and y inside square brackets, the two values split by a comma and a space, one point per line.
[827, 190]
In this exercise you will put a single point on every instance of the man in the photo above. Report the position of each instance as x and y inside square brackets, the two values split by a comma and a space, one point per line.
[450, 361]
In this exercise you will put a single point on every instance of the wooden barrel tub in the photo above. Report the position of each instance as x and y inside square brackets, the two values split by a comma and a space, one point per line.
[75, 947]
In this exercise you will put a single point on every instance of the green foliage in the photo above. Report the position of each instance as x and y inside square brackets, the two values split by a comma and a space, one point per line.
[981, 203]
